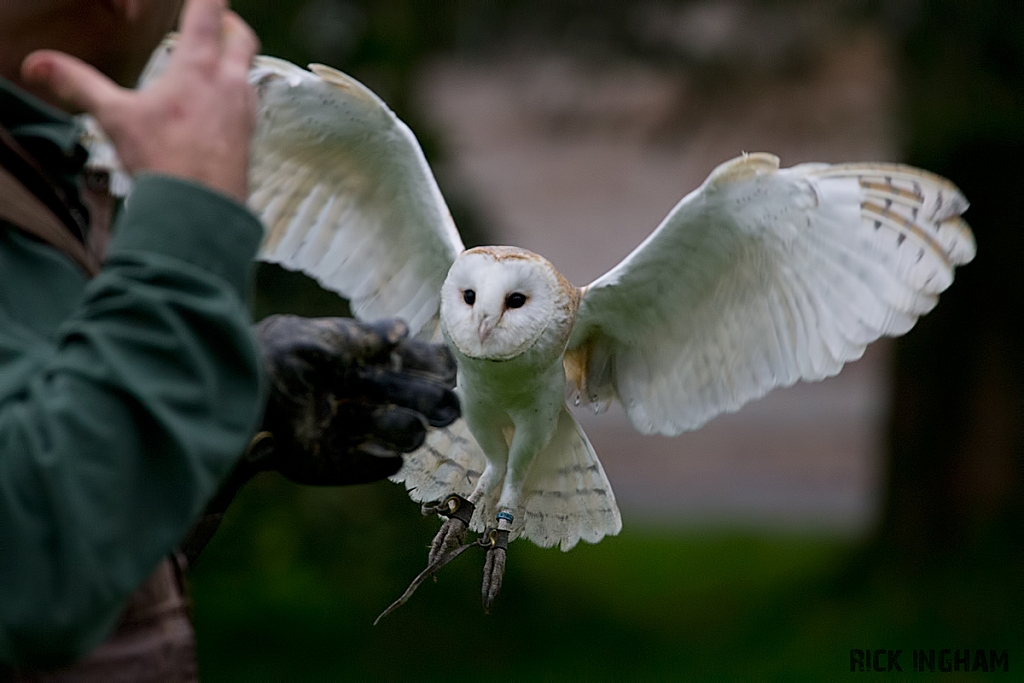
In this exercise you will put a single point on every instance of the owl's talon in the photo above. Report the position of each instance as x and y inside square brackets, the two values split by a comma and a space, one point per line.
[432, 567]
[496, 541]
[452, 533]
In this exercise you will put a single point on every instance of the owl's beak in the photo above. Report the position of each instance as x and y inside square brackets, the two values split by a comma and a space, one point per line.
[485, 327]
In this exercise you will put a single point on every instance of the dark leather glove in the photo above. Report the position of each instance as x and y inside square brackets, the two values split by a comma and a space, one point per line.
[348, 397]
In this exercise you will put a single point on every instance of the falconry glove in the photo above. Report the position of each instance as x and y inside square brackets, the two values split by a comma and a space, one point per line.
[347, 398]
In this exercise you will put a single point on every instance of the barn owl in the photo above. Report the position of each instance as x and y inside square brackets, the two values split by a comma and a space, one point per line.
[760, 277]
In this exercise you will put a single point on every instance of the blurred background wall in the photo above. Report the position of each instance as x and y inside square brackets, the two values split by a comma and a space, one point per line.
[884, 503]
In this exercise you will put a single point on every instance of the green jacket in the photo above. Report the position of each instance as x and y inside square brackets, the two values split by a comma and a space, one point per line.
[124, 400]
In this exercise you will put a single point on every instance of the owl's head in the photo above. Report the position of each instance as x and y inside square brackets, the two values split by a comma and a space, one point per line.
[498, 301]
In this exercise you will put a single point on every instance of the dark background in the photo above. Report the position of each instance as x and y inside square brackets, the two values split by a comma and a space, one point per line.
[288, 589]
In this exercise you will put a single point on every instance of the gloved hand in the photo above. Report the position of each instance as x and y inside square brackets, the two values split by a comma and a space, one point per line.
[348, 397]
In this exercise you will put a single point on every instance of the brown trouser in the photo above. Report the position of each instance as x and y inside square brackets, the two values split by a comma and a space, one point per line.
[153, 642]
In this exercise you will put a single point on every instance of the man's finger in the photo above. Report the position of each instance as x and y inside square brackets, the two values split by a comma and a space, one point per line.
[397, 428]
[202, 31]
[433, 361]
[347, 341]
[439, 405]
[75, 84]
[368, 464]
[240, 45]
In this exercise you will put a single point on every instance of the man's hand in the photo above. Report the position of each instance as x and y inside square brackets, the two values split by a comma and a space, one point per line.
[348, 397]
[194, 122]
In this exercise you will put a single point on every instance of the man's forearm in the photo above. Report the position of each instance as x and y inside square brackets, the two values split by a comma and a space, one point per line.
[121, 428]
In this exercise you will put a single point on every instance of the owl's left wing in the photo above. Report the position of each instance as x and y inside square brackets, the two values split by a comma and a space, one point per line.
[761, 277]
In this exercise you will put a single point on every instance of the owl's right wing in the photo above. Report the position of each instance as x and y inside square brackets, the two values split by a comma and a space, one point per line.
[342, 186]
[761, 277]
[346, 194]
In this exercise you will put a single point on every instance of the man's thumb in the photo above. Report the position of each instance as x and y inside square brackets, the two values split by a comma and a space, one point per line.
[70, 82]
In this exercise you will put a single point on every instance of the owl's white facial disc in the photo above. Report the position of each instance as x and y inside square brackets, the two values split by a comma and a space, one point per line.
[496, 302]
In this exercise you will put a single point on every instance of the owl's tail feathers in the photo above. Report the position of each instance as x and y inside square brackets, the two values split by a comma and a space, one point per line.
[567, 497]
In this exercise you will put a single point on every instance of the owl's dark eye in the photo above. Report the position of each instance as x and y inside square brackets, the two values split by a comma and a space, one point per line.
[515, 300]
[469, 296]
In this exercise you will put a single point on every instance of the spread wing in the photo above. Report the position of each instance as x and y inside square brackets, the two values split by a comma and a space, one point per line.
[346, 194]
[343, 188]
[762, 277]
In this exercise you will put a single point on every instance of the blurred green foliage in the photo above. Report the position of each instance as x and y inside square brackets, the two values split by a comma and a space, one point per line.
[289, 588]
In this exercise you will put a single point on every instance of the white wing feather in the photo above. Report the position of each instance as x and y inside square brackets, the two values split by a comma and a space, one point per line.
[346, 194]
[762, 277]
[103, 156]
[343, 188]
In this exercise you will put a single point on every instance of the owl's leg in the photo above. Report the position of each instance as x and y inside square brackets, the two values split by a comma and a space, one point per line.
[531, 435]
[449, 542]
[452, 533]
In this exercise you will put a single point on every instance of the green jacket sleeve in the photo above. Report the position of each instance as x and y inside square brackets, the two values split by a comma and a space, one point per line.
[121, 409]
